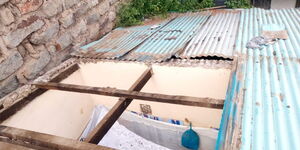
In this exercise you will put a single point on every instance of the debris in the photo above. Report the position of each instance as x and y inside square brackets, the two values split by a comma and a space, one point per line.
[154, 27]
[275, 34]
[270, 33]
[173, 31]
[171, 38]
[259, 41]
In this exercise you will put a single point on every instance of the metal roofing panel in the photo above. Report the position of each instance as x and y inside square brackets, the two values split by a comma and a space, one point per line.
[251, 24]
[271, 112]
[262, 107]
[217, 37]
[118, 42]
[170, 39]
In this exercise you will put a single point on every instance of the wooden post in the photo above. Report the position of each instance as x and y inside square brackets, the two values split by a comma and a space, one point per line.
[112, 116]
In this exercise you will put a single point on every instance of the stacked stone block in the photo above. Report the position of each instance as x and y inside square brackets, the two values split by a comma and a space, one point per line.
[37, 35]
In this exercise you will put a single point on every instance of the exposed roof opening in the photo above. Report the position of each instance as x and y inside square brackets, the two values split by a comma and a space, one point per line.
[66, 114]
[212, 58]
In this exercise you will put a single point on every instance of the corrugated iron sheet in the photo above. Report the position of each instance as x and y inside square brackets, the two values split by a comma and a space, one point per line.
[170, 39]
[262, 108]
[217, 37]
[271, 112]
[251, 24]
[118, 42]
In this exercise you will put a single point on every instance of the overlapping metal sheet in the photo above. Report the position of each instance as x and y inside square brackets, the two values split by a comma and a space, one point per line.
[170, 39]
[118, 42]
[262, 108]
[271, 112]
[217, 37]
[251, 24]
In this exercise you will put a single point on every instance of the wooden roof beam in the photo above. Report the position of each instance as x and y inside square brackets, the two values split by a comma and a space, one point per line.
[163, 98]
[112, 116]
[36, 140]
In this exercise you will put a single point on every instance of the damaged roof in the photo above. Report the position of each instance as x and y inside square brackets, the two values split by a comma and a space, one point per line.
[215, 33]
[154, 43]
[216, 37]
[170, 39]
[117, 43]
[262, 107]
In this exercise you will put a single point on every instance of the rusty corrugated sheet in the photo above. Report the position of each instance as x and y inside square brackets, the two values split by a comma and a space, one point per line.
[118, 42]
[217, 37]
[170, 39]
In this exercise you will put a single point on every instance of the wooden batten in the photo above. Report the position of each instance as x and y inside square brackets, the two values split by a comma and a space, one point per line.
[4, 145]
[25, 139]
[112, 116]
[163, 98]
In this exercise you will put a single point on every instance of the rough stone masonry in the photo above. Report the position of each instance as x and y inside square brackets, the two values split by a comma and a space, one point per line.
[37, 35]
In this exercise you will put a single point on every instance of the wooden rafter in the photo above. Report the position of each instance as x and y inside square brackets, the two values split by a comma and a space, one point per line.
[173, 99]
[112, 116]
[35, 140]
[4, 145]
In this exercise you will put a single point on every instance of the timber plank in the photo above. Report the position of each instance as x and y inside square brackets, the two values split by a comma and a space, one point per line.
[163, 98]
[112, 116]
[33, 139]
[9, 146]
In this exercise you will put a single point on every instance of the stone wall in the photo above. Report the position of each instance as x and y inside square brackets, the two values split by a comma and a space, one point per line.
[37, 35]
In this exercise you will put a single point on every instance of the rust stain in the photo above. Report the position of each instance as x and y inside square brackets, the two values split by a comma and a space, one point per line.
[276, 34]
[171, 38]
[158, 20]
[219, 11]
[281, 96]
[117, 34]
[257, 104]
[105, 44]
[143, 36]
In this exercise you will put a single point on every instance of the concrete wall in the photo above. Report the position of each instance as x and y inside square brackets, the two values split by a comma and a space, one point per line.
[190, 81]
[58, 113]
[36, 35]
[67, 113]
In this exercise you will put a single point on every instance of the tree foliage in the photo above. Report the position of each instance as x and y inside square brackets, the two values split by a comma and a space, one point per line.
[134, 12]
[238, 3]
